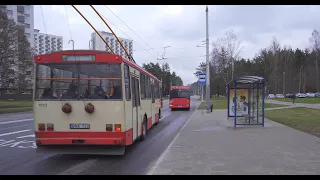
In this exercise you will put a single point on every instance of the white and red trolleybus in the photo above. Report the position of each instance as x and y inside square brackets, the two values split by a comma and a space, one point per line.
[180, 97]
[92, 102]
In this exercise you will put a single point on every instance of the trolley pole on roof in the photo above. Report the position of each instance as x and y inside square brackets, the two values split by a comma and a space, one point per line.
[207, 63]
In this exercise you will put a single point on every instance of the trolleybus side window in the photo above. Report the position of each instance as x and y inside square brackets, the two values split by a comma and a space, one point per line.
[148, 88]
[156, 90]
[127, 83]
[134, 94]
[152, 93]
[143, 85]
[137, 92]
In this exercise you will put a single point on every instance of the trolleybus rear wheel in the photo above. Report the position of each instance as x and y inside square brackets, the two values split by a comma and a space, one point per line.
[144, 129]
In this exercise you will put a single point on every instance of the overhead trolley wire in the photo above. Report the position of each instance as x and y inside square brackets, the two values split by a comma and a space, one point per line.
[125, 50]
[130, 28]
[44, 21]
[93, 29]
[126, 34]
[65, 9]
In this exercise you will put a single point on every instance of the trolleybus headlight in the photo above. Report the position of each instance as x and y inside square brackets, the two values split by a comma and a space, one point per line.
[66, 108]
[89, 108]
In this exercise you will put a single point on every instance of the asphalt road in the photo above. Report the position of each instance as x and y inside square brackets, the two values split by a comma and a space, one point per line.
[17, 149]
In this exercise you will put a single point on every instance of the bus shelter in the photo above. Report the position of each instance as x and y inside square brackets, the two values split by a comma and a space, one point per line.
[246, 100]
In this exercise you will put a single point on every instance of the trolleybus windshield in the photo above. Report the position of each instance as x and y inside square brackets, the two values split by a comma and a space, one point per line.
[76, 81]
[179, 93]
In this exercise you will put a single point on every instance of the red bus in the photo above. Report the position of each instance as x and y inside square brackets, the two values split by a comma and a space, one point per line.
[180, 97]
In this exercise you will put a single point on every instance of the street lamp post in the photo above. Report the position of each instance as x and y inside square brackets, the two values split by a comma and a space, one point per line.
[207, 63]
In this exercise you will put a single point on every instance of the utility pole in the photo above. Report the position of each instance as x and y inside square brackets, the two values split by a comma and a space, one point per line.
[207, 63]
[201, 87]
[284, 83]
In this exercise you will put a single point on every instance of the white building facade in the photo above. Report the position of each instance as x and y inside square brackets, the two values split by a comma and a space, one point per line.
[46, 43]
[23, 15]
[98, 43]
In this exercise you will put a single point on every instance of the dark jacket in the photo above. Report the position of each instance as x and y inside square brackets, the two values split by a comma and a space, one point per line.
[94, 96]
[69, 95]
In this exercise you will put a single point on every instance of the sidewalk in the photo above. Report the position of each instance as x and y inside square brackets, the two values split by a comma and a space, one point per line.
[313, 106]
[209, 144]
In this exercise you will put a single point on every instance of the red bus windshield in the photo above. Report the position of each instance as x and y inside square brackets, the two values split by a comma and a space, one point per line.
[179, 93]
[78, 81]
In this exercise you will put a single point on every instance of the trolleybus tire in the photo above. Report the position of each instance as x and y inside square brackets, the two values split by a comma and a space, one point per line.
[188, 109]
[144, 129]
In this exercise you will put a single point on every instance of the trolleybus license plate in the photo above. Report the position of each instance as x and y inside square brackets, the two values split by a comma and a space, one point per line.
[79, 126]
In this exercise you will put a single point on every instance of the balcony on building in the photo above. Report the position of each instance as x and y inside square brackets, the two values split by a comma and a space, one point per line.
[21, 18]
[3, 6]
[20, 9]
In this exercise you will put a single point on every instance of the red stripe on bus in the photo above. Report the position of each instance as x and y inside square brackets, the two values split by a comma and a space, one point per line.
[149, 123]
[56, 57]
[156, 117]
[140, 69]
[94, 138]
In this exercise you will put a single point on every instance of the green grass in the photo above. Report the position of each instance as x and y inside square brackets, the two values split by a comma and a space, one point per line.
[15, 106]
[218, 103]
[15, 110]
[302, 100]
[303, 119]
[222, 103]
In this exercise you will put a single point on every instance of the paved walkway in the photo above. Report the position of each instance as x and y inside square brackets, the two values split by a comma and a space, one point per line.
[209, 144]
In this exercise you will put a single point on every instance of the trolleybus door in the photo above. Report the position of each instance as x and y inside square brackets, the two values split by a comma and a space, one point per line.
[135, 106]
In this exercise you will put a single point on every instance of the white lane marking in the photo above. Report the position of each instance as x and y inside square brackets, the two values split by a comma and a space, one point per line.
[15, 132]
[77, 169]
[16, 121]
[156, 164]
[31, 135]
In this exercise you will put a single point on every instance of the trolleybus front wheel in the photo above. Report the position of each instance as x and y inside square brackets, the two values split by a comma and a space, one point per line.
[144, 129]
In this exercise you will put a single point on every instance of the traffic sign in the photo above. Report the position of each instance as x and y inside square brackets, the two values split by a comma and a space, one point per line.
[202, 79]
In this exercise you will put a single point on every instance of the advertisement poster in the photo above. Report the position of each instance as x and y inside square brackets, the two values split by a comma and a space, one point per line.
[241, 101]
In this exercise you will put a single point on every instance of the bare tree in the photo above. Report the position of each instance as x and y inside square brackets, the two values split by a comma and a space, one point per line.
[15, 55]
[275, 50]
[315, 46]
[233, 48]
[226, 50]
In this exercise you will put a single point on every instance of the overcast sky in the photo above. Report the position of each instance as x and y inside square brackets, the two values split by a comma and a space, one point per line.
[183, 28]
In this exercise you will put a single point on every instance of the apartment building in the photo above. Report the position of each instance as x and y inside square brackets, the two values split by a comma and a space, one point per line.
[98, 44]
[46, 43]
